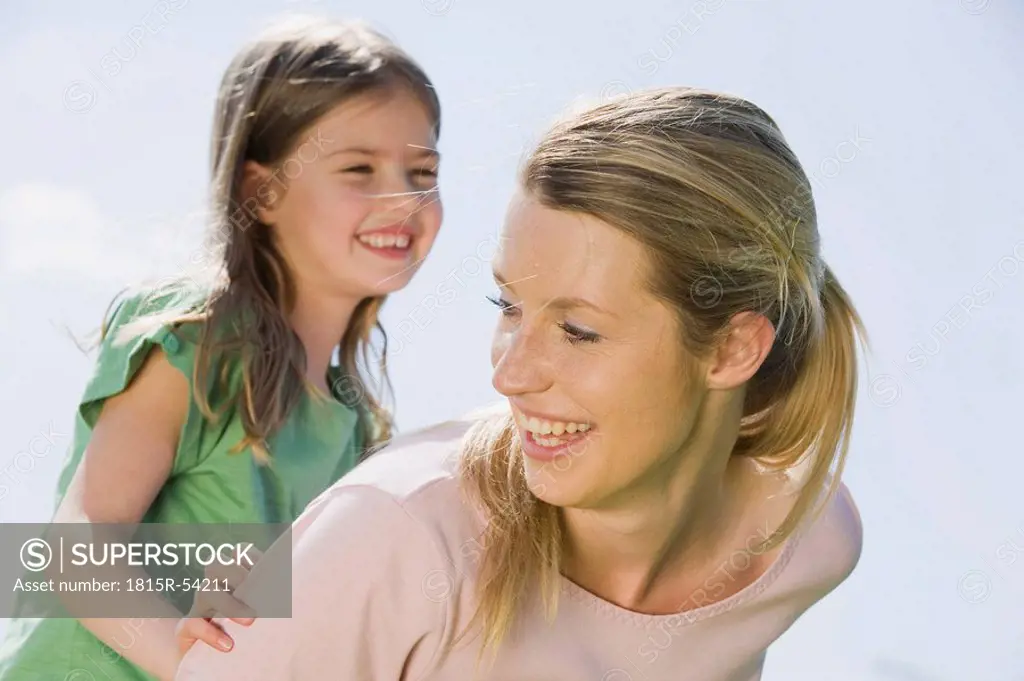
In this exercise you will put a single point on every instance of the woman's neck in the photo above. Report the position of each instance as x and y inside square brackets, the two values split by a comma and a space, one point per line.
[652, 546]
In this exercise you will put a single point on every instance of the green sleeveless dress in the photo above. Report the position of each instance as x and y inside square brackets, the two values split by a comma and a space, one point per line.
[208, 483]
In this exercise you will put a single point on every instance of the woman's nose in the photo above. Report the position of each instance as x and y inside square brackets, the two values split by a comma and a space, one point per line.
[519, 364]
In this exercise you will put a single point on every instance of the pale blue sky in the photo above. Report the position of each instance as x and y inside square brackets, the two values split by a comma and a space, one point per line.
[906, 114]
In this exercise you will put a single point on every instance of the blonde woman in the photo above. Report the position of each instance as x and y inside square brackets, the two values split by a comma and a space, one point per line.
[660, 497]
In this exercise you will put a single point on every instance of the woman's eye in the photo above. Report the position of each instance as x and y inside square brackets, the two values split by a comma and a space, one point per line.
[575, 335]
[358, 169]
[507, 309]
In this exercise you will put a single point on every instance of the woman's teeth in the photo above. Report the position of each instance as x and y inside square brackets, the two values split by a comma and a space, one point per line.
[385, 240]
[541, 427]
[541, 430]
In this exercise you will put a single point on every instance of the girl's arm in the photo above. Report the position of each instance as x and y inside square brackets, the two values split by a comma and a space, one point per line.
[128, 459]
[364, 594]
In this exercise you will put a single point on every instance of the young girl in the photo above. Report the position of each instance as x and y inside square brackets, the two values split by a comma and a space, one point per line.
[661, 497]
[220, 403]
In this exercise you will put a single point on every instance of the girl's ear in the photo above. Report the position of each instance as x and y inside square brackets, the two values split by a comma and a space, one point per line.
[260, 197]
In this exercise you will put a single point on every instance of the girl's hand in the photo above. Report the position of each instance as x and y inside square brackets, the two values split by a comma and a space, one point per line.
[199, 626]
[192, 629]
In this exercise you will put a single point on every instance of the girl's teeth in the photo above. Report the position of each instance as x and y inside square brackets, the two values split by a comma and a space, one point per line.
[386, 240]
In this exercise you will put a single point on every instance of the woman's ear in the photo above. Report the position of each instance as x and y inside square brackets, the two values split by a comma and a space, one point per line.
[260, 198]
[742, 352]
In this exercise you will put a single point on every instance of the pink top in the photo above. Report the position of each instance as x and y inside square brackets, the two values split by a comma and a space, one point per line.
[383, 571]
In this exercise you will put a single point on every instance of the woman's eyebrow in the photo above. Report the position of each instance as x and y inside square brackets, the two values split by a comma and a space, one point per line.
[560, 303]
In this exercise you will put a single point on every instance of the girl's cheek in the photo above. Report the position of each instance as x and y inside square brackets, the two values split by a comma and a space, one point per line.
[345, 210]
[436, 213]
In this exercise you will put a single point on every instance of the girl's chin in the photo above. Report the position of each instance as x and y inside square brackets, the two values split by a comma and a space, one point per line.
[368, 282]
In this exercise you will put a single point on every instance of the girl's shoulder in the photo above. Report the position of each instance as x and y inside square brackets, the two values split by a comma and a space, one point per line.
[137, 321]
[155, 301]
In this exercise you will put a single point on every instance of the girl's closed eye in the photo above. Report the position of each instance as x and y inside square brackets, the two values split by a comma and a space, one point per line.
[424, 176]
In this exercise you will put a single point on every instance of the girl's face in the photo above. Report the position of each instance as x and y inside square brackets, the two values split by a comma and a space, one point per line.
[591, 362]
[355, 207]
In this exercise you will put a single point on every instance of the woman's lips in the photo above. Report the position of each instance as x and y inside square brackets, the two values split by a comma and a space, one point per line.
[550, 447]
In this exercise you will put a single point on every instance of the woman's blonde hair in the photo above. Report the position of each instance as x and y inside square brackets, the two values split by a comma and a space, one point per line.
[707, 184]
[271, 95]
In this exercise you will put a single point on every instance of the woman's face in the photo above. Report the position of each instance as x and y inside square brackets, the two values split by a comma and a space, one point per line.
[591, 362]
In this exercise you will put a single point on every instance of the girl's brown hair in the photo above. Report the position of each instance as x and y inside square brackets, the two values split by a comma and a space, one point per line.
[271, 96]
[707, 184]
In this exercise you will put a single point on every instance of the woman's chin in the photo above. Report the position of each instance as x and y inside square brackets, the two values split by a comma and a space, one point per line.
[554, 487]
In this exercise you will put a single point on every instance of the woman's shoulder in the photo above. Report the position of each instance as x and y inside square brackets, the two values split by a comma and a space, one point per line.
[840, 534]
[828, 550]
[410, 463]
[402, 512]
[418, 471]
